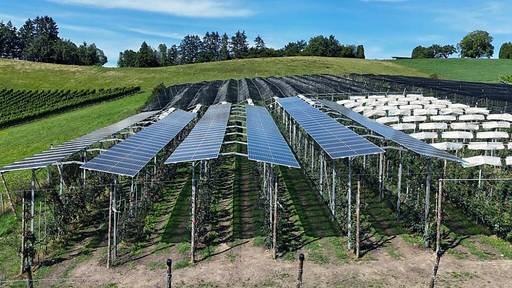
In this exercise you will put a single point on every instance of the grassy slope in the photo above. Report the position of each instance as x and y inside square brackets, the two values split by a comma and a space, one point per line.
[23, 75]
[479, 70]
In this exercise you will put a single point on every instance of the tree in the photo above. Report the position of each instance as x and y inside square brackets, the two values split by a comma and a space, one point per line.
[146, 57]
[66, 53]
[47, 27]
[476, 44]
[506, 51]
[9, 41]
[211, 47]
[294, 48]
[443, 51]
[317, 46]
[422, 52]
[128, 58]
[239, 45]
[360, 52]
[26, 35]
[173, 56]
[189, 49]
[162, 55]
[224, 48]
[259, 44]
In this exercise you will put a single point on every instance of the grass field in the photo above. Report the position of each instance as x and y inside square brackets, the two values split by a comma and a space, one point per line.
[479, 70]
[28, 75]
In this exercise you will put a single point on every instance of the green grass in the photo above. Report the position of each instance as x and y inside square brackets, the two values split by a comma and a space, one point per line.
[24, 140]
[51, 76]
[480, 70]
[502, 246]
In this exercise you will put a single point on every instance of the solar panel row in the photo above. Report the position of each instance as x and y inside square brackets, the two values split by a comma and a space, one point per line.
[335, 139]
[63, 151]
[130, 156]
[205, 140]
[389, 133]
[264, 141]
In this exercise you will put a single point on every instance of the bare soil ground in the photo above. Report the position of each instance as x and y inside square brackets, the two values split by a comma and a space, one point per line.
[249, 266]
[390, 257]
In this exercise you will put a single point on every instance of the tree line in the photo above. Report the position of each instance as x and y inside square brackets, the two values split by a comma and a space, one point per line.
[38, 40]
[215, 47]
[476, 44]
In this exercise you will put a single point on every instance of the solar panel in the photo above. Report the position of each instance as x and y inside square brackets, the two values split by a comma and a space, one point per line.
[63, 151]
[335, 139]
[389, 133]
[264, 141]
[205, 140]
[130, 156]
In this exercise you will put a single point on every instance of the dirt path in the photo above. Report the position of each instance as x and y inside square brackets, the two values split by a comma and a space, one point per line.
[249, 266]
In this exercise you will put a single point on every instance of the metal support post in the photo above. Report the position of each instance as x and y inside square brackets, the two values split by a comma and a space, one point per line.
[193, 230]
[333, 197]
[349, 205]
[427, 202]
[274, 240]
[381, 158]
[358, 219]
[438, 234]
[399, 186]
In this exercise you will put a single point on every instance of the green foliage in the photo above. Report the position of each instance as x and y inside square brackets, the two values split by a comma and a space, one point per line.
[22, 105]
[477, 44]
[38, 40]
[330, 47]
[507, 79]
[434, 51]
[506, 51]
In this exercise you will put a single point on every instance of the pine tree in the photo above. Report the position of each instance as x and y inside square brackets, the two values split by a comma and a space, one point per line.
[146, 57]
[26, 35]
[224, 53]
[189, 50]
[239, 45]
[360, 52]
[172, 56]
[162, 55]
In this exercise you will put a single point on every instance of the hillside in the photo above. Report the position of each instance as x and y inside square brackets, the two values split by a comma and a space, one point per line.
[478, 70]
[29, 75]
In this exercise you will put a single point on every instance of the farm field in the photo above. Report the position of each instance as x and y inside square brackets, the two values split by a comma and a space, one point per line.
[234, 251]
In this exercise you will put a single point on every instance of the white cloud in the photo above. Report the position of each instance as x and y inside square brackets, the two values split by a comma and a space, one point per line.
[156, 33]
[493, 16]
[190, 8]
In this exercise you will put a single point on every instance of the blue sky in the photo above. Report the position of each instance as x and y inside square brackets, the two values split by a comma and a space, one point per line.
[386, 27]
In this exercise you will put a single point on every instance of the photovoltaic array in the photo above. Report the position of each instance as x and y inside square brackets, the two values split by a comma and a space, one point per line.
[205, 140]
[389, 133]
[65, 150]
[264, 141]
[130, 156]
[335, 139]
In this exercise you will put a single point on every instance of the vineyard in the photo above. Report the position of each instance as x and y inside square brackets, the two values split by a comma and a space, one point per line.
[23, 105]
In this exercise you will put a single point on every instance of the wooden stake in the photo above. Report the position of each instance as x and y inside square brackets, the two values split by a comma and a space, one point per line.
[11, 202]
